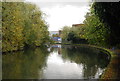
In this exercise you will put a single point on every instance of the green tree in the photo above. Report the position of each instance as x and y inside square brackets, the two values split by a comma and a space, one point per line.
[95, 31]
[109, 13]
[12, 26]
[55, 35]
[65, 32]
[73, 34]
[23, 25]
[35, 30]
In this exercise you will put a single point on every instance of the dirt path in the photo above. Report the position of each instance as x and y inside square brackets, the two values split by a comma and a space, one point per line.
[113, 69]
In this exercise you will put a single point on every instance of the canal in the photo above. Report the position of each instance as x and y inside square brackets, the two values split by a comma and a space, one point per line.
[55, 62]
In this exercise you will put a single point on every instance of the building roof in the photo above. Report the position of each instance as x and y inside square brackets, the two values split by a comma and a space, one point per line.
[76, 25]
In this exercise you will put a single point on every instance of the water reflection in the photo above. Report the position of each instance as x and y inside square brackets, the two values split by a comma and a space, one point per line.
[26, 64]
[94, 61]
[56, 62]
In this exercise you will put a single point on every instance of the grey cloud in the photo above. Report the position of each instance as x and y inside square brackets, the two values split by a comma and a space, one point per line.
[51, 4]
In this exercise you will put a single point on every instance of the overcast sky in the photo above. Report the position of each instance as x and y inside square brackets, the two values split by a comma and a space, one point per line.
[63, 12]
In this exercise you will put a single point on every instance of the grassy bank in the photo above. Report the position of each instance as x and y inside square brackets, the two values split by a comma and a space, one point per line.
[113, 69]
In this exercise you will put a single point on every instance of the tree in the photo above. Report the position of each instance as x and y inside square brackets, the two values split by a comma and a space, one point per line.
[35, 30]
[23, 25]
[109, 13]
[73, 35]
[12, 26]
[55, 35]
[95, 31]
[65, 32]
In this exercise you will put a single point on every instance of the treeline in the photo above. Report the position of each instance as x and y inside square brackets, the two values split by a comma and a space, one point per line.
[22, 25]
[73, 35]
[101, 26]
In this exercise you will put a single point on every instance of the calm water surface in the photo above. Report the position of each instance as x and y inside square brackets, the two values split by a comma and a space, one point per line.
[56, 62]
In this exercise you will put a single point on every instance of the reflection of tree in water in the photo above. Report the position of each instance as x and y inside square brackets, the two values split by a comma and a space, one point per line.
[89, 57]
[24, 65]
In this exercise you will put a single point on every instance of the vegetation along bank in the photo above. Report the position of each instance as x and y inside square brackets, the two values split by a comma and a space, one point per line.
[22, 26]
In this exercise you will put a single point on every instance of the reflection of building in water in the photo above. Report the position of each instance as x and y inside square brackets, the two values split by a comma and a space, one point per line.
[57, 47]
[59, 51]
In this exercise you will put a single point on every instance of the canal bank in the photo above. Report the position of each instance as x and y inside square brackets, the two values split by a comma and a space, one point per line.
[112, 71]
[113, 68]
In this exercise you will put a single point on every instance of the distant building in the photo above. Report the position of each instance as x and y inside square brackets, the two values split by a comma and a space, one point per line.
[77, 25]
[55, 37]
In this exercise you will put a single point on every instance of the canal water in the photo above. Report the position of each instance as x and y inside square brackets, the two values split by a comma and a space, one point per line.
[55, 62]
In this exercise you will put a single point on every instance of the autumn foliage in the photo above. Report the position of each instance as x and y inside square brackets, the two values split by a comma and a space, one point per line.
[22, 25]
